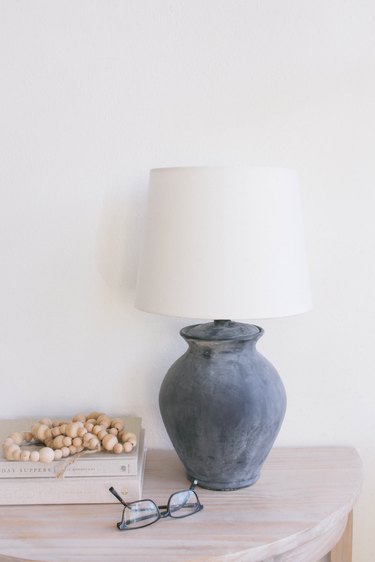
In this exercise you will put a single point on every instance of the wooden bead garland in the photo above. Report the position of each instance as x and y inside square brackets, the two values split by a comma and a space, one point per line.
[61, 439]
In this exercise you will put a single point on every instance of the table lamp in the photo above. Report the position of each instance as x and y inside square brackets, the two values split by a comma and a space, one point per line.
[223, 244]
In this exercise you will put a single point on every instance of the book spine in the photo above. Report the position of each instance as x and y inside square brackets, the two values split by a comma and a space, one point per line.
[78, 468]
[26, 491]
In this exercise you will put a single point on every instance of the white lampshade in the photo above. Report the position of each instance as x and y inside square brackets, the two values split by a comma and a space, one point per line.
[223, 243]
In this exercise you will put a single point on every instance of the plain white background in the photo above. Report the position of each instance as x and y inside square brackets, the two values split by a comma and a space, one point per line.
[94, 94]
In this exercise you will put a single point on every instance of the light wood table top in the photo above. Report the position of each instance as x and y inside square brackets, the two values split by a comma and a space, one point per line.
[296, 512]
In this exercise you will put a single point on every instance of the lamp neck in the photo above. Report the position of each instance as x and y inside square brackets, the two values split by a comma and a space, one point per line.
[221, 330]
[222, 322]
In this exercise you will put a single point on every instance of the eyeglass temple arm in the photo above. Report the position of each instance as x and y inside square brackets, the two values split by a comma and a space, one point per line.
[117, 496]
[193, 484]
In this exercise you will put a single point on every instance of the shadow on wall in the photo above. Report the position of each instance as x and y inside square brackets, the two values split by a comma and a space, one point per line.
[118, 239]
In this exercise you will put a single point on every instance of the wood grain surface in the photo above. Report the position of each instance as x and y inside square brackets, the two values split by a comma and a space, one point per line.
[296, 512]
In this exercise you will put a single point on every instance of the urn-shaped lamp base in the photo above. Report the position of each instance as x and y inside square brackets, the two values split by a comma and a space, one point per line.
[222, 404]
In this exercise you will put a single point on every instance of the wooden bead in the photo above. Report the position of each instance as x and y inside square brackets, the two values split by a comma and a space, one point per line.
[41, 431]
[8, 441]
[63, 428]
[34, 456]
[46, 421]
[104, 421]
[118, 448]
[121, 435]
[118, 424]
[48, 434]
[89, 426]
[10, 450]
[56, 423]
[27, 436]
[46, 454]
[71, 429]
[77, 442]
[25, 455]
[128, 436]
[87, 437]
[67, 441]
[10, 444]
[128, 447]
[65, 452]
[92, 421]
[72, 449]
[97, 429]
[58, 442]
[81, 431]
[109, 441]
[79, 418]
[55, 431]
[113, 431]
[16, 455]
[92, 415]
[58, 454]
[102, 434]
[93, 443]
[17, 437]
[75, 427]
[34, 430]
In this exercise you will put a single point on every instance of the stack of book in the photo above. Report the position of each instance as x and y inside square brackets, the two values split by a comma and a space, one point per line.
[81, 479]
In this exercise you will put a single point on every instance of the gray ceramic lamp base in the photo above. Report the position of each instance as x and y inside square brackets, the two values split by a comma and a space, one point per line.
[222, 404]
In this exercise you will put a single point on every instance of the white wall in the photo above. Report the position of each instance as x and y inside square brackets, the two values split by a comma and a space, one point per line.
[94, 94]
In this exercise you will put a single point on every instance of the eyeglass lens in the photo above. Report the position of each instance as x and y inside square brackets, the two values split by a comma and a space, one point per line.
[182, 504]
[140, 514]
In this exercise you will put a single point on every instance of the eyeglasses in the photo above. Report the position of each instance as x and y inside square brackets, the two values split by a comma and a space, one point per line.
[143, 513]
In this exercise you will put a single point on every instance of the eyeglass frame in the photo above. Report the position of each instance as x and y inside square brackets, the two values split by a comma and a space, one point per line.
[121, 525]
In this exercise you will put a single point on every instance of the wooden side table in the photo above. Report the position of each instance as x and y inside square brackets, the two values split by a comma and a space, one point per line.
[298, 511]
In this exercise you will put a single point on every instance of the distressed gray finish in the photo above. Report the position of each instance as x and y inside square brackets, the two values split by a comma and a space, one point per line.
[222, 404]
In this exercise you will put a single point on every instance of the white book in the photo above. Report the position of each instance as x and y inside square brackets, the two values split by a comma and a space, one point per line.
[99, 463]
[73, 490]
